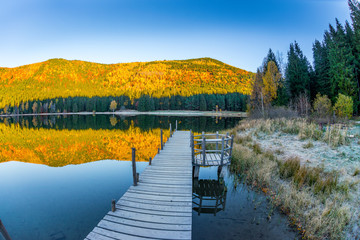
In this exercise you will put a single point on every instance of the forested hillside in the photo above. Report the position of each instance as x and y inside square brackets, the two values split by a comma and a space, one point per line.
[62, 79]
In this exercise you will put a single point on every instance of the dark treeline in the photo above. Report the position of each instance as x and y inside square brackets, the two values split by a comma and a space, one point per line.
[335, 72]
[144, 122]
[202, 102]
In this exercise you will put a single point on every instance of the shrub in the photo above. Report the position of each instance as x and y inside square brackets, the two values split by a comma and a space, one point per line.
[343, 106]
[288, 168]
[322, 106]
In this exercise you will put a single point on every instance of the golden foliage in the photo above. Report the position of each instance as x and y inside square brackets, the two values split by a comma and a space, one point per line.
[62, 78]
[63, 147]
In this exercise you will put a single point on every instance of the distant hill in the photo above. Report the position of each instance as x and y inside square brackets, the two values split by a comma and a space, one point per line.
[57, 78]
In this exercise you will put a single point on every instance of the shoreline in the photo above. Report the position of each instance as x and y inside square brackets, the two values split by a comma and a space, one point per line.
[179, 113]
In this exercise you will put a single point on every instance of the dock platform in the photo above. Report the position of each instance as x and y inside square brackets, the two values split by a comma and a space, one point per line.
[160, 206]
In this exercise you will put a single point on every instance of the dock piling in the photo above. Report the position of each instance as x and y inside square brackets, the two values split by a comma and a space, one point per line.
[161, 139]
[150, 161]
[113, 208]
[4, 232]
[204, 149]
[222, 150]
[135, 178]
[176, 125]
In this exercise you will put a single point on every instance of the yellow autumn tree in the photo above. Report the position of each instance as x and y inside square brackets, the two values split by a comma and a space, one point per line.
[113, 105]
[271, 82]
[264, 88]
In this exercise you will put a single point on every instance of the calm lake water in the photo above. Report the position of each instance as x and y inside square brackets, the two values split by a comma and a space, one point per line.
[70, 189]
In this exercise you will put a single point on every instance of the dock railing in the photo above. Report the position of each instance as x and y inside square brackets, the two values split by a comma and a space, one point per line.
[211, 149]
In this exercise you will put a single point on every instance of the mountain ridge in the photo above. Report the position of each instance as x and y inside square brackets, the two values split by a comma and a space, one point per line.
[59, 77]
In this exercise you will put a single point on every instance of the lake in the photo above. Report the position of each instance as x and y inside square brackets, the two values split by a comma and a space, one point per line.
[56, 185]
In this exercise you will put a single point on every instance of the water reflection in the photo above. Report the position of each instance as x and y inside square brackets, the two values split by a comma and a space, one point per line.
[246, 213]
[60, 148]
[75, 139]
[209, 196]
[144, 122]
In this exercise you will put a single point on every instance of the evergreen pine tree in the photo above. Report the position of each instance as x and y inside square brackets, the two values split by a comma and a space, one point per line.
[297, 71]
[202, 103]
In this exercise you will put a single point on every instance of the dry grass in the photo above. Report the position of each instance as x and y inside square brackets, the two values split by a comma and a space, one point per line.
[239, 139]
[334, 135]
[356, 172]
[312, 198]
[308, 145]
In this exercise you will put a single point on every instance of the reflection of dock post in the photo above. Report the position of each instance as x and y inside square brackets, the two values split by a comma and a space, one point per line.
[4, 232]
[135, 175]
[196, 171]
[170, 130]
[150, 161]
[176, 125]
[219, 171]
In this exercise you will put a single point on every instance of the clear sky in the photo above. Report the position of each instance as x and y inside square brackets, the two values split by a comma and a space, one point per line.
[114, 31]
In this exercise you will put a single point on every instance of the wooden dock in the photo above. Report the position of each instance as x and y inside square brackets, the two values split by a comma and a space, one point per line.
[160, 206]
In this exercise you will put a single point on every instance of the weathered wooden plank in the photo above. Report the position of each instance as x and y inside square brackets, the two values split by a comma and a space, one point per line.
[144, 232]
[160, 193]
[162, 189]
[153, 206]
[155, 202]
[173, 227]
[151, 218]
[165, 179]
[95, 236]
[153, 212]
[163, 185]
[158, 198]
[116, 235]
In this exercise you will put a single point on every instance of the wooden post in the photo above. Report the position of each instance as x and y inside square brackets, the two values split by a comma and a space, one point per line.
[227, 139]
[222, 150]
[134, 167]
[191, 134]
[161, 139]
[176, 125]
[113, 208]
[192, 147]
[231, 145]
[4, 232]
[170, 130]
[204, 150]
[158, 150]
[150, 161]
[217, 144]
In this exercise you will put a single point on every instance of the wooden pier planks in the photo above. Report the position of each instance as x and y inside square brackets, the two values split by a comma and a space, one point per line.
[160, 206]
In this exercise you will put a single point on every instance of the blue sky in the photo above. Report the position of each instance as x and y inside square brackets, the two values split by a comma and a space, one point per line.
[113, 31]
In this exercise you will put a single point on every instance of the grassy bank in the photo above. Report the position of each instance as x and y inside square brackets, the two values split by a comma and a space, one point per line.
[320, 202]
